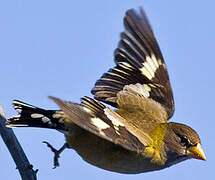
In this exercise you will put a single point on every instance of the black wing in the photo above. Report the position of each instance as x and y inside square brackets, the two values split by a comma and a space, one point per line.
[138, 61]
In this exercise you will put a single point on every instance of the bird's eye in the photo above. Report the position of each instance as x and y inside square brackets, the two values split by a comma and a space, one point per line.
[184, 141]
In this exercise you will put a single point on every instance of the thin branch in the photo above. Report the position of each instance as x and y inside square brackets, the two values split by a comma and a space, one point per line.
[25, 168]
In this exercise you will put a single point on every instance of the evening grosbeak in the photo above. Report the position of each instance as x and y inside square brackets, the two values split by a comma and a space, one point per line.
[135, 137]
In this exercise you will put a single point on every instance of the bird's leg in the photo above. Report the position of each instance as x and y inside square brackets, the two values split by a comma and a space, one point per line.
[56, 152]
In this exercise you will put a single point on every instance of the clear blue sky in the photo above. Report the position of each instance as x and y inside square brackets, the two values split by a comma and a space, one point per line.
[61, 48]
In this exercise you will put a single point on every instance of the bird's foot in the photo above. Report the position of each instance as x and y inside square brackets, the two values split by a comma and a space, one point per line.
[56, 152]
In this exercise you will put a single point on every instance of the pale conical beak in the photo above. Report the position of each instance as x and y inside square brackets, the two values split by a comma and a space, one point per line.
[196, 152]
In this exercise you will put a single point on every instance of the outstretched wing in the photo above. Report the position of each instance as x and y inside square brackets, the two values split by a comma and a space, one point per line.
[139, 62]
[96, 118]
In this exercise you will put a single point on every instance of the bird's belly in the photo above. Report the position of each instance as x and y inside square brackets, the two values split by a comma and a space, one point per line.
[106, 155]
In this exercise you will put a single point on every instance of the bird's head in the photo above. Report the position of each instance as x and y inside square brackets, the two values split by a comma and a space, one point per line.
[181, 143]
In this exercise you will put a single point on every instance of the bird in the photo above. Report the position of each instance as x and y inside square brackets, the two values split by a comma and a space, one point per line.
[134, 135]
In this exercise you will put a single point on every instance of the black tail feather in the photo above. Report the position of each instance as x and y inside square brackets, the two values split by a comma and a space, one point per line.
[31, 116]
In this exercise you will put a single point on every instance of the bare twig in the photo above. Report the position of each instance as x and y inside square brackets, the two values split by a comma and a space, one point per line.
[25, 168]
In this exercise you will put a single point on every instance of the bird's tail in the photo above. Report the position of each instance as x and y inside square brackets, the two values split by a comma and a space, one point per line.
[31, 116]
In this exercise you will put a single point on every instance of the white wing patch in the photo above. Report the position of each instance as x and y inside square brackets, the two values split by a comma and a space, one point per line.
[114, 119]
[125, 65]
[155, 61]
[138, 89]
[87, 110]
[101, 125]
[150, 66]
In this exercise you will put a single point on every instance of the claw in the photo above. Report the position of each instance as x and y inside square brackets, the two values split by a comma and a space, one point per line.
[56, 152]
